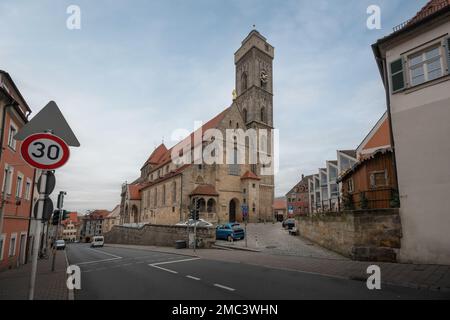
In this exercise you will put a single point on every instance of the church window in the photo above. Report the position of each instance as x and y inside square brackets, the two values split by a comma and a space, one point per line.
[245, 115]
[263, 114]
[244, 83]
[164, 195]
[174, 192]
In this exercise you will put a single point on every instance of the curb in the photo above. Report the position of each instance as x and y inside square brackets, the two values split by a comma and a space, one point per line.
[219, 246]
[150, 248]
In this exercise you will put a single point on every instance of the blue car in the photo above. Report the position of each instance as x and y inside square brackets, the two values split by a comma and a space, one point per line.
[230, 231]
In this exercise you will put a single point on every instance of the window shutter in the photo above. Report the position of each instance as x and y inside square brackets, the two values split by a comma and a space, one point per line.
[447, 52]
[397, 75]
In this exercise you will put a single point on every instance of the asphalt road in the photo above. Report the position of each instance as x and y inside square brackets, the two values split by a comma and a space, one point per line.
[122, 273]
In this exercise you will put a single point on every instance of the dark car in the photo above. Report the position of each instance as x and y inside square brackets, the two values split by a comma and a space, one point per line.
[289, 224]
[230, 231]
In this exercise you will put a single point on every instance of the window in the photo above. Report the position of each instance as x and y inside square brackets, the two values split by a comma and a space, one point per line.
[378, 179]
[12, 133]
[245, 115]
[7, 179]
[350, 185]
[425, 66]
[174, 192]
[244, 81]
[164, 195]
[12, 245]
[2, 246]
[263, 114]
[19, 186]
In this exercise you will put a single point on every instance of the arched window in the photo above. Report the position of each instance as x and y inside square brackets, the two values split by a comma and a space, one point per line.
[211, 206]
[244, 81]
[164, 195]
[201, 204]
[245, 115]
[263, 114]
[155, 197]
[174, 192]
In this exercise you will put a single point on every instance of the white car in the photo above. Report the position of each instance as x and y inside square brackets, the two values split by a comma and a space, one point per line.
[60, 244]
[97, 241]
[199, 223]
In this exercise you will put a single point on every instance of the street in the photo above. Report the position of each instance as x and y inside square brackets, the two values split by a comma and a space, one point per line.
[125, 273]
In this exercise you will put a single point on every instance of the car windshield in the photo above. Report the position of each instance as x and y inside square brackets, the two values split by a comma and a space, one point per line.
[59, 241]
[236, 226]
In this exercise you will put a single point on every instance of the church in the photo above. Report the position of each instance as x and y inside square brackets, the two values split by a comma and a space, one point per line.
[223, 192]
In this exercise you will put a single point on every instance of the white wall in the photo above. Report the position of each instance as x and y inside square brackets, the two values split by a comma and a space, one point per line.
[421, 128]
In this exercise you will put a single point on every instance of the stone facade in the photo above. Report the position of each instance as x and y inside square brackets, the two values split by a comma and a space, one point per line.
[372, 235]
[168, 190]
[158, 235]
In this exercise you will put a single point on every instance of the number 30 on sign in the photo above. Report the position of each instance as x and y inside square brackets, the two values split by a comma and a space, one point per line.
[45, 151]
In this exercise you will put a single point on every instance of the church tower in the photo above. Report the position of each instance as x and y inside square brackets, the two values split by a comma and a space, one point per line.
[254, 99]
[254, 81]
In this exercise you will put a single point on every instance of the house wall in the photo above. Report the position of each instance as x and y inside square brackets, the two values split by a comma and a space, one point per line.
[421, 129]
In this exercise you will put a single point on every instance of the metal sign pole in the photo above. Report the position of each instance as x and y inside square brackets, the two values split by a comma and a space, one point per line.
[37, 235]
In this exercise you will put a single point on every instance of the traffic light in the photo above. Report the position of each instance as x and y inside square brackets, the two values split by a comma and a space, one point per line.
[55, 217]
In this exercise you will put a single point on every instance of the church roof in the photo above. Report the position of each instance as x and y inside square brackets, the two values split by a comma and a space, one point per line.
[133, 191]
[157, 154]
[162, 156]
[250, 175]
[204, 190]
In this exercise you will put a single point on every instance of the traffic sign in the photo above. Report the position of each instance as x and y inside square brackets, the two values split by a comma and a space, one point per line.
[45, 151]
[51, 182]
[49, 118]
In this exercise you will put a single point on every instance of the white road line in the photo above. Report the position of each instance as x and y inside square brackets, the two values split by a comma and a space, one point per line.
[223, 287]
[102, 260]
[108, 254]
[193, 278]
[168, 270]
[176, 261]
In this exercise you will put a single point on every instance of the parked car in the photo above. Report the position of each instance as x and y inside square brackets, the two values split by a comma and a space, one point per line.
[191, 223]
[230, 232]
[60, 244]
[289, 223]
[97, 241]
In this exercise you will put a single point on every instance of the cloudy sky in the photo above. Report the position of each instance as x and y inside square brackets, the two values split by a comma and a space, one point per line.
[137, 70]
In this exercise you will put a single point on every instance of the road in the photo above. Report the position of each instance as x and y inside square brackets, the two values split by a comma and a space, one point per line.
[124, 273]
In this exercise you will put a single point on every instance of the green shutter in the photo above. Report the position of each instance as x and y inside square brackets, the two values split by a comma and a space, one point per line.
[447, 51]
[397, 75]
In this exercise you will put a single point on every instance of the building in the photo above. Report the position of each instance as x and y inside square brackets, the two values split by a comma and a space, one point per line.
[112, 219]
[378, 138]
[166, 190]
[70, 227]
[298, 197]
[92, 224]
[17, 177]
[414, 65]
[371, 182]
[280, 209]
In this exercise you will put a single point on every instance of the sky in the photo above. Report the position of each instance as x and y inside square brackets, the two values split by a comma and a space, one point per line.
[137, 70]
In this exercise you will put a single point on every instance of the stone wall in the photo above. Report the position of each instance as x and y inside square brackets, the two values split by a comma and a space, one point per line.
[370, 235]
[158, 235]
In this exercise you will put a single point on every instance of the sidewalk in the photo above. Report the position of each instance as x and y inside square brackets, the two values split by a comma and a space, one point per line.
[431, 277]
[14, 284]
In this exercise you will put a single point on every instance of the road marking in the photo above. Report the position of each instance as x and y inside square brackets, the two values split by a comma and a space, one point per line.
[102, 260]
[193, 278]
[157, 264]
[176, 261]
[168, 270]
[223, 287]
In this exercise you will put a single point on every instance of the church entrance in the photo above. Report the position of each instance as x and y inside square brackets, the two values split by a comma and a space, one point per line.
[232, 210]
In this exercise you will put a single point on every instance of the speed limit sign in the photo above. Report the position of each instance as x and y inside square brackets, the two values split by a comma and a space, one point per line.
[45, 151]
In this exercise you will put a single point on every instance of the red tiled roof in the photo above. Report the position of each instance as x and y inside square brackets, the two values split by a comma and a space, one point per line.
[430, 8]
[163, 158]
[157, 154]
[204, 190]
[97, 214]
[133, 191]
[250, 175]
[279, 204]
